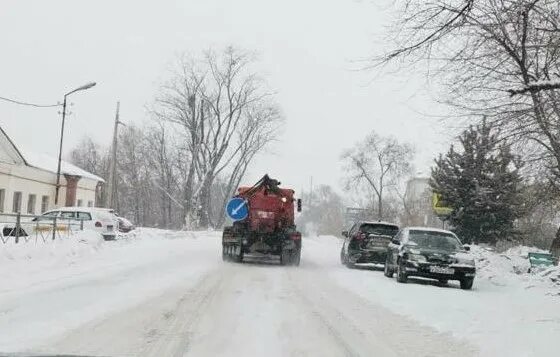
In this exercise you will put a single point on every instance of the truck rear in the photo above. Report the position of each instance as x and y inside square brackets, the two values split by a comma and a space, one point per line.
[268, 229]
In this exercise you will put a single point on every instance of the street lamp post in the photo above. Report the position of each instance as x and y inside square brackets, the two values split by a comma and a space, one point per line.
[84, 87]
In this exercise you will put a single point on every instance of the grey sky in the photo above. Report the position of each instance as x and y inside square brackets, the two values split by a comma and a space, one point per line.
[306, 51]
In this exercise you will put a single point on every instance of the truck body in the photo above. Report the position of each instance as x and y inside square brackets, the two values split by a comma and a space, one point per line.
[268, 229]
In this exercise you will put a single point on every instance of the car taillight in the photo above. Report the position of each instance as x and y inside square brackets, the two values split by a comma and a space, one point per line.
[360, 236]
[98, 224]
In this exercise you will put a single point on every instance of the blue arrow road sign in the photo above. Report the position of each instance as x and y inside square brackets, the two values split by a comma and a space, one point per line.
[237, 209]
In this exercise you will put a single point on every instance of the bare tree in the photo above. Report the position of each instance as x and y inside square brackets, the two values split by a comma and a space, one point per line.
[496, 58]
[162, 158]
[324, 215]
[225, 115]
[378, 163]
[91, 157]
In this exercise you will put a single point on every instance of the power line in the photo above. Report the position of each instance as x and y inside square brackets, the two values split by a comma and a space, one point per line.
[30, 104]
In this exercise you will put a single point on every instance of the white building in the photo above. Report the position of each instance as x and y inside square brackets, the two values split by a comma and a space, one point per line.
[28, 181]
[418, 201]
[417, 187]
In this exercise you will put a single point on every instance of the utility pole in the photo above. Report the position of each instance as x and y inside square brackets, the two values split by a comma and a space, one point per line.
[57, 187]
[111, 186]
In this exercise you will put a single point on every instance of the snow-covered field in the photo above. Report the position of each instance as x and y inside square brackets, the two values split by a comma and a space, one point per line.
[159, 293]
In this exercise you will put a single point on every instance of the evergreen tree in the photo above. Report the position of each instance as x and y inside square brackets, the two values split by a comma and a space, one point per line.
[482, 184]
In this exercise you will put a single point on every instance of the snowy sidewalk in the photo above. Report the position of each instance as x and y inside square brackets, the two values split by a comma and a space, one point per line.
[47, 289]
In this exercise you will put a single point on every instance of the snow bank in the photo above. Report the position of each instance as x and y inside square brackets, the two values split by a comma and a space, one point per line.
[50, 251]
[27, 264]
[47, 289]
[511, 268]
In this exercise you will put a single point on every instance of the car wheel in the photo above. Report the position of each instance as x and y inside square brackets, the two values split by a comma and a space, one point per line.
[467, 283]
[342, 260]
[443, 281]
[401, 273]
[388, 272]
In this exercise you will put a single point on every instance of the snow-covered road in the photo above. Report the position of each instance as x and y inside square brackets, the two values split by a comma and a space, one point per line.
[173, 296]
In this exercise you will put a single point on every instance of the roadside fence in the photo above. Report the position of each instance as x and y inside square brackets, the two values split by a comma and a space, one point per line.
[21, 228]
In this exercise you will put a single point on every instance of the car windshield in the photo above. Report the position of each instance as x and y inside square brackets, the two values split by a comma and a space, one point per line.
[434, 240]
[379, 229]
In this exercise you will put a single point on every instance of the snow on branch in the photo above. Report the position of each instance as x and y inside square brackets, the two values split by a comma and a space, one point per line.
[536, 87]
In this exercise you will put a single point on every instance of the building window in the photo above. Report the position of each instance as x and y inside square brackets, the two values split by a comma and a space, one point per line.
[16, 207]
[44, 204]
[90, 203]
[2, 196]
[80, 203]
[31, 204]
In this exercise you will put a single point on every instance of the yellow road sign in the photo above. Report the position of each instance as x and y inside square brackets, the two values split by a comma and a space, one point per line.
[439, 205]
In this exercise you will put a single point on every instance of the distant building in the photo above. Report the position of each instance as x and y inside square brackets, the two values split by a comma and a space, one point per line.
[417, 187]
[28, 181]
[418, 203]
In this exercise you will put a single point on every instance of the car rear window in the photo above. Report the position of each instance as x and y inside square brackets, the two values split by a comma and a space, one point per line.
[379, 229]
[105, 216]
[434, 240]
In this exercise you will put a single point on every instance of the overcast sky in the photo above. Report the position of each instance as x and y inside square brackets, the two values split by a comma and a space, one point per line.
[307, 52]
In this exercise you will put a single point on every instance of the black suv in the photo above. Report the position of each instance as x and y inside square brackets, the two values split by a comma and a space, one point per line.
[367, 242]
[430, 253]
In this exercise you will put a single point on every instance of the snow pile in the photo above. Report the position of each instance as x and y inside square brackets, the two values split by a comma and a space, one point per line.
[51, 251]
[157, 233]
[512, 268]
[48, 289]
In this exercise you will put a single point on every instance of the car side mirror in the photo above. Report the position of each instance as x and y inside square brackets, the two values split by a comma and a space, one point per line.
[395, 241]
[299, 204]
[345, 233]
[467, 248]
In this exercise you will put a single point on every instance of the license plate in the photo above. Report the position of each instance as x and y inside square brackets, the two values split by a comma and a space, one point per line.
[377, 244]
[442, 270]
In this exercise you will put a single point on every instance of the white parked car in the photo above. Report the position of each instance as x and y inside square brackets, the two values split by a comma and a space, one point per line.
[100, 220]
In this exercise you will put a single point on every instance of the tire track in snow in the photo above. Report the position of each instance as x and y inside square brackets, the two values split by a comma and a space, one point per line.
[361, 327]
[181, 321]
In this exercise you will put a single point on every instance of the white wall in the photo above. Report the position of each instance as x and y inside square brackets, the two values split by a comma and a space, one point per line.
[30, 180]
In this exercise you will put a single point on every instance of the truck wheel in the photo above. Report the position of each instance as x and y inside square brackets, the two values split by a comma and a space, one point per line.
[285, 257]
[401, 274]
[238, 254]
[295, 258]
[466, 283]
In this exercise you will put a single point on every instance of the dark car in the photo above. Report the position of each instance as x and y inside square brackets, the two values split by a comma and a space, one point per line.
[367, 242]
[430, 253]
[125, 225]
